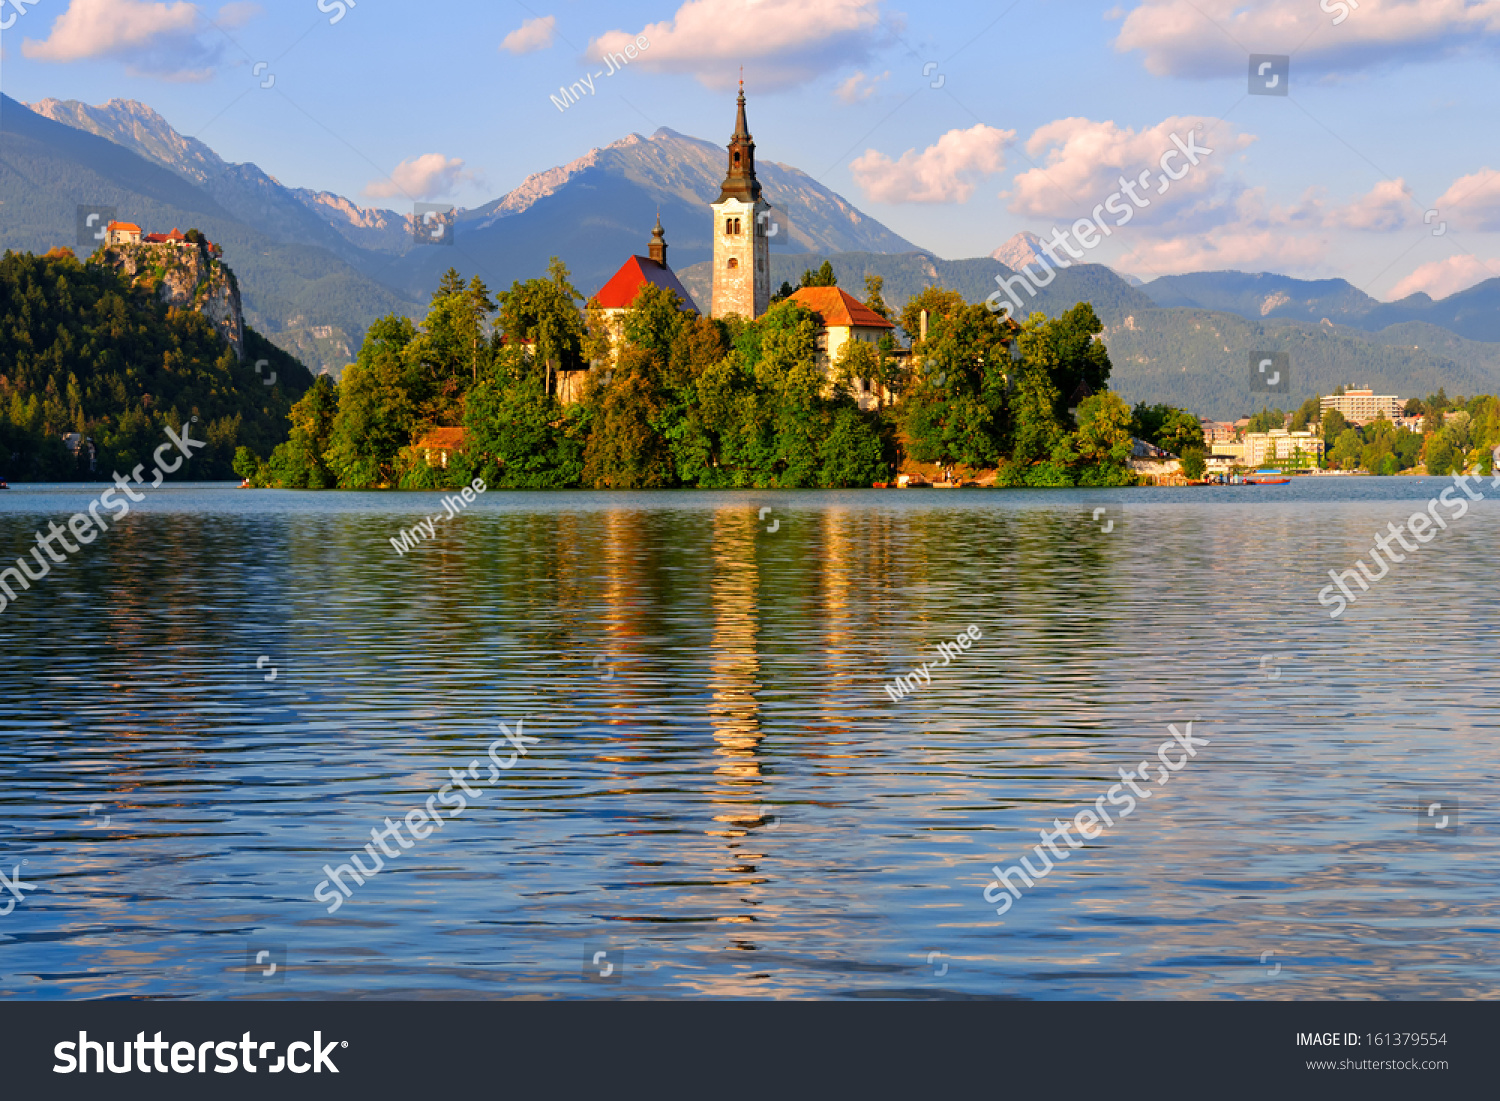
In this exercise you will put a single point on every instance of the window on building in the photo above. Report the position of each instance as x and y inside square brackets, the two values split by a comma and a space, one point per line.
[733, 263]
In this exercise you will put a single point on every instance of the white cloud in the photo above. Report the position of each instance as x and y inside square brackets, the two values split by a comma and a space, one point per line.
[237, 14]
[1242, 233]
[1444, 277]
[425, 177]
[1082, 162]
[1210, 38]
[1473, 201]
[781, 43]
[110, 28]
[859, 86]
[157, 40]
[534, 34]
[942, 173]
[1387, 207]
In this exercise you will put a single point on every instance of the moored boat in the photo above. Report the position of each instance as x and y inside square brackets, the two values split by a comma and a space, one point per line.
[1266, 478]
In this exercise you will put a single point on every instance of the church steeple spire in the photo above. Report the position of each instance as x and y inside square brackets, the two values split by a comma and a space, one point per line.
[742, 258]
[740, 181]
[659, 242]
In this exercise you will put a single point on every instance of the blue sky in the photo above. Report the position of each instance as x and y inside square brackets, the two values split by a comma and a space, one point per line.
[1041, 107]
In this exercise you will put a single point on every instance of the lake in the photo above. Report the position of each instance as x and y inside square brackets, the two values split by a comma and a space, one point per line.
[233, 689]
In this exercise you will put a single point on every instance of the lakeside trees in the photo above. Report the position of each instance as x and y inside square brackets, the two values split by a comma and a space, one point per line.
[687, 400]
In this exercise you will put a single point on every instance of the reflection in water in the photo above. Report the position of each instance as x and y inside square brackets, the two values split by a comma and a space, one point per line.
[735, 663]
[722, 784]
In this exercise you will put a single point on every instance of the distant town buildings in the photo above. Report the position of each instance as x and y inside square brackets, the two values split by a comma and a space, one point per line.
[1217, 431]
[1279, 446]
[1363, 406]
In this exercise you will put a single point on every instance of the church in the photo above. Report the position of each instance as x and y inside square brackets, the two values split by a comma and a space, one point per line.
[741, 266]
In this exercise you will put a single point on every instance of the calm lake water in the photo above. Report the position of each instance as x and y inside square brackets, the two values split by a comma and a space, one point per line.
[723, 799]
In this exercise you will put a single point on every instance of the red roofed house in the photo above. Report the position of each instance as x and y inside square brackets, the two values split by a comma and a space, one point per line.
[122, 233]
[619, 294]
[845, 318]
[439, 443]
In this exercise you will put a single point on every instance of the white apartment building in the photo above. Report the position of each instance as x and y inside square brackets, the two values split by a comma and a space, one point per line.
[1279, 446]
[1363, 406]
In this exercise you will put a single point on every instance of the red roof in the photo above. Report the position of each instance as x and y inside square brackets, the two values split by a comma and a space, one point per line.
[129, 227]
[837, 307]
[620, 292]
[443, 439]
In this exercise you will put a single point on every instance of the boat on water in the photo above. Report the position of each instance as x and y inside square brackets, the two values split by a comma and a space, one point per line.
[1266, 478]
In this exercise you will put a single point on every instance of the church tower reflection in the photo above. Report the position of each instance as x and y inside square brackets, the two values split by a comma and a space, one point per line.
[734, 676]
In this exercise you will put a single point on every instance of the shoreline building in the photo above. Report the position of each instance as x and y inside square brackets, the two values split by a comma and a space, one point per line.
[845, 318]
[742, 251]
[1296, 449]
[1362, 406]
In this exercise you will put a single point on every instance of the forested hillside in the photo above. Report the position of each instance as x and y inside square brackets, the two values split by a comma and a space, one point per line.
[83, 352]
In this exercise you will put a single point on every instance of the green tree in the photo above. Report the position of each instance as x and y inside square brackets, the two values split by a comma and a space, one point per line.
[823, 277]
[1347, 450]
[1103, 442]
[516, 434]
[246, 465]
[379, 399]
[1334, 426]
[624, 450]
[1306, 413]
[543, 314]
[300, 463]
[1440, 457]
[1266, 420]
[874, 284]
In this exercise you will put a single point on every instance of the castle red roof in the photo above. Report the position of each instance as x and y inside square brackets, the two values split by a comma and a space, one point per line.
[621, 290]
[127, 227]
[837, 307]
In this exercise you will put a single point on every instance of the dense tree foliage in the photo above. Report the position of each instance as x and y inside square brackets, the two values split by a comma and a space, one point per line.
[1169, 428]
[83, 352]
[684, 400]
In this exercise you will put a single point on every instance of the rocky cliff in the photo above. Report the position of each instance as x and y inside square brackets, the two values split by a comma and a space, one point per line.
[187, 277]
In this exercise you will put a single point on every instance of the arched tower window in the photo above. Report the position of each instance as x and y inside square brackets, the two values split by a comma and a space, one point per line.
[733, 263]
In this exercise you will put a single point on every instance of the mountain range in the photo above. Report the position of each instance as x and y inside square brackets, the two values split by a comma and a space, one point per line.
[317, 268]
